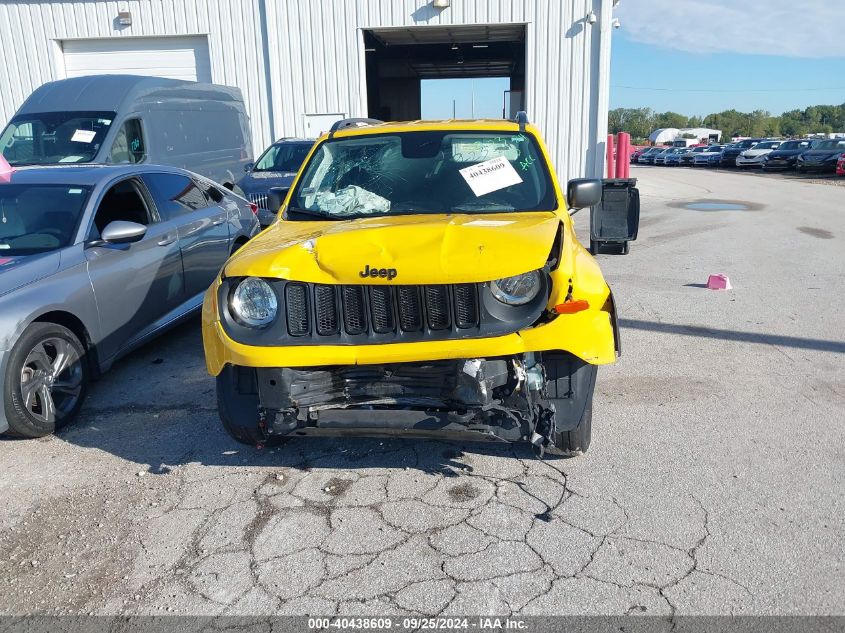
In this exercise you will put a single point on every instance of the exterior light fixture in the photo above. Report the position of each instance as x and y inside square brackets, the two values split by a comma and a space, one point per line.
[124, 18]
[441, 4]
[591, 18]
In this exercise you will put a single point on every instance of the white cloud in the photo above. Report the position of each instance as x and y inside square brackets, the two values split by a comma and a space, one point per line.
[790, 28]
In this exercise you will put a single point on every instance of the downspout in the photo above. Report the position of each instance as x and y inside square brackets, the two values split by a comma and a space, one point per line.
[265, 54]
[599, 123]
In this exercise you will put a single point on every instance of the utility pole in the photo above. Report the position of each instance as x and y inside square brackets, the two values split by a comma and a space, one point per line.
[472, 93]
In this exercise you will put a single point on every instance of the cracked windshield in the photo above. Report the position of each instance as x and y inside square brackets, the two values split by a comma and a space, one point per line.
[424, 172]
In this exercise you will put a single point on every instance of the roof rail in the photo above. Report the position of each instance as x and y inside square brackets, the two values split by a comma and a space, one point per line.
[522, 119]
[345, 123]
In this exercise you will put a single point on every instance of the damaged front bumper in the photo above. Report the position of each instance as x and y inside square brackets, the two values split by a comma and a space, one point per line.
[501, 399]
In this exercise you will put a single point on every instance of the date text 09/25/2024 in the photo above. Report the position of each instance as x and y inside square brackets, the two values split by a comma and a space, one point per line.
[417, 624]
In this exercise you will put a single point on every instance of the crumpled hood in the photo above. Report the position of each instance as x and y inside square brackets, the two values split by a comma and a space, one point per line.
[422, 249]
[18, 271]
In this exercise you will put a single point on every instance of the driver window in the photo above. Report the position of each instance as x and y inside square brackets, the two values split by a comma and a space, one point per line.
[122, 202]
[128, 145]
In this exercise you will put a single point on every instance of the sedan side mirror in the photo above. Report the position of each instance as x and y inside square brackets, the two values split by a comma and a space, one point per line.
[248, 167]
[123, 232]
[582, 193]
[276, 197]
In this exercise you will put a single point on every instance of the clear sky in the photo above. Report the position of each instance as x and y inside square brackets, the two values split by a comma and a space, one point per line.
[703, 56]
[437, 96]
[699, 57]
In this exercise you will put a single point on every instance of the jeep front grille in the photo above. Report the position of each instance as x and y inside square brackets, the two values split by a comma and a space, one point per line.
[378, 309]
[334, 314]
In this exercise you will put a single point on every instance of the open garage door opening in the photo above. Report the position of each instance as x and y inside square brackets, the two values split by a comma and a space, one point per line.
[400, 59]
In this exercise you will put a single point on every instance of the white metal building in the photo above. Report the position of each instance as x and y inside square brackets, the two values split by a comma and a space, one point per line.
[669, 134]
[301, 64]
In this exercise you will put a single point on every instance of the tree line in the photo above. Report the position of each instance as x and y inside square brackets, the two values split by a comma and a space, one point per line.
[640, 122]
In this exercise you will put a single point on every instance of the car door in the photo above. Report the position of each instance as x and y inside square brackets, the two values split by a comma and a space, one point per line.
[202, 226]
[135, 285]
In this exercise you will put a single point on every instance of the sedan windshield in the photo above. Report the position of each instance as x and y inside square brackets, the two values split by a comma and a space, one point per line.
[767, 145]
[39, 218]
[55, 137]
[831, 144]
[794, 145]
[283, 157]
[424, 172]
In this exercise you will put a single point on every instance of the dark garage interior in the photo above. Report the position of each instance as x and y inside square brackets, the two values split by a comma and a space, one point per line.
[399, 58]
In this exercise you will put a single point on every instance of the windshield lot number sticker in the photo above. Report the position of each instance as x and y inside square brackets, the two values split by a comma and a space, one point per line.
[83, 136]
[491, 175]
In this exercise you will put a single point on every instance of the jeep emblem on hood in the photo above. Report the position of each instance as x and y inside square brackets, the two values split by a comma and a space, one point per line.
[389, 273]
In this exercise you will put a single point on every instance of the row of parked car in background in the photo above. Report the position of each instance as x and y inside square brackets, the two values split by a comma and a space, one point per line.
[768, 154]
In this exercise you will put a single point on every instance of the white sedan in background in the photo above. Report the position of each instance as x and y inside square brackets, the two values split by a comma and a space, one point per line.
[754, 157]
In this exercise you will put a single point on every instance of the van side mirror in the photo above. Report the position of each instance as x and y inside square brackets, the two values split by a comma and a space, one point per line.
[582, 193]
[276, 197]
[123, 232]
[248, 167]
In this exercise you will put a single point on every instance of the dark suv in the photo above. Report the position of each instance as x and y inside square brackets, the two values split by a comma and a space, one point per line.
[733, 150]
[276, 167]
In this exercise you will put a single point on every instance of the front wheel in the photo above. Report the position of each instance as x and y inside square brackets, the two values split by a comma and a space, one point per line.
[46, 380]
[570, 383]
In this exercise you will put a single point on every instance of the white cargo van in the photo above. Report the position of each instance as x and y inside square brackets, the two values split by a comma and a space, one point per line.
[118, 119]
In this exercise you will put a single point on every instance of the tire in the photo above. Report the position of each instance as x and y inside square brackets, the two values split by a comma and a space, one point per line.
[625, 248]
[570, 383]
[595, 247]
[239, 412]
[253, 436]
[62, 385]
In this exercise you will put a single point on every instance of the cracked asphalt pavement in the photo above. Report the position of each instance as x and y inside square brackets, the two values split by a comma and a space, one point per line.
[714, 484]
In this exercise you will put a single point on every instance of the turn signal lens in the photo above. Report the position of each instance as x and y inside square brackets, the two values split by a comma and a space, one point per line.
[571, 307]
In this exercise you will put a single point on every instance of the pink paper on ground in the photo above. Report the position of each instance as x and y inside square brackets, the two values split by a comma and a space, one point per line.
[718, 282]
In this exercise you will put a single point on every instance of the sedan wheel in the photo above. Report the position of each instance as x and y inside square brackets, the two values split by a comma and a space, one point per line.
[46, 380]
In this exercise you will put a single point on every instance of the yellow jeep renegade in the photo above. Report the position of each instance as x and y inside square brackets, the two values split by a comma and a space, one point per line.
[423, 280]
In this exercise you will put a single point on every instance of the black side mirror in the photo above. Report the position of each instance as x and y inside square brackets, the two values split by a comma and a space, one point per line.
[248, 167]
[616, 219]
[123, 232]
[582, 193]
[276, 197]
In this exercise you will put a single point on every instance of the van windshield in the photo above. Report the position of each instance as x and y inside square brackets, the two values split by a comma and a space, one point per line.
[55, 137]
[424, 172]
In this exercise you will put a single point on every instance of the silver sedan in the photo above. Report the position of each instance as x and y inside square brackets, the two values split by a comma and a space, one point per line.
[94, 261]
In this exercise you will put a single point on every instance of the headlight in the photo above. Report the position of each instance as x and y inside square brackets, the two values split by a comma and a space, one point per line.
[517, 290]
[254, 303]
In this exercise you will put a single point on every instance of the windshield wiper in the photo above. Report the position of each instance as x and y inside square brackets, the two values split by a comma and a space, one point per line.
[312, 213]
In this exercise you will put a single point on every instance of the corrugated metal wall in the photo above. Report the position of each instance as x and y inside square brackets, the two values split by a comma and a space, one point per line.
[31, 33]
[315, 55]
[319, 47]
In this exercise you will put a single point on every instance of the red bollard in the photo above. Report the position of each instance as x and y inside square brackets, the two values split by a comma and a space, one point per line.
[623, 155]
[611, 165]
